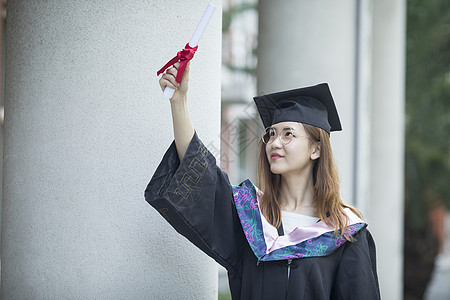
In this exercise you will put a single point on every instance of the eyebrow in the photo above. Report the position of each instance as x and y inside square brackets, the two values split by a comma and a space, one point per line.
[290, 128]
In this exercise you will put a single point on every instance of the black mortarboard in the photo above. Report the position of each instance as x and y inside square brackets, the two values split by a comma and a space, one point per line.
[311, 105]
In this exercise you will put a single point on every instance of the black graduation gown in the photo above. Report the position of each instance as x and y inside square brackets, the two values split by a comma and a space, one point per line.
[196, 198]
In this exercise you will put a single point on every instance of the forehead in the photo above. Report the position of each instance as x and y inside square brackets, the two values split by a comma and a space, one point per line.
[287, 125]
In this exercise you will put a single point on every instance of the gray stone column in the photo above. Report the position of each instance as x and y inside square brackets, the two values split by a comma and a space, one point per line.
[385, 208]
[85, 128]
[358, 48]
[304, 43]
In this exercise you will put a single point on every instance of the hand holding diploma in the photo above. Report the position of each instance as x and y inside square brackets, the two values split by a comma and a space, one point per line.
[168, 81]
[185, 55]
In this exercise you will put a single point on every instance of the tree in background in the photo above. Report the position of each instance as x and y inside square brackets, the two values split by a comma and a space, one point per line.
[427, 161]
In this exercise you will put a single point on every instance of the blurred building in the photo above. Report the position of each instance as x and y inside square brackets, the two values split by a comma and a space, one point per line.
[240, 128]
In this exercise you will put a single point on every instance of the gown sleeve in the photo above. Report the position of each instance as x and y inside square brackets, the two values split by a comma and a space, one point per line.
[195, 197]
[356, 276]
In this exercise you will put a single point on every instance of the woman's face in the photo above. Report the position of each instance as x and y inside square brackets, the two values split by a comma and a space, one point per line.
[288, 148]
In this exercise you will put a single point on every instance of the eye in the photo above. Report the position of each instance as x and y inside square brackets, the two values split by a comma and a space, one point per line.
[269, 135]
[272, 132]
[289, 134]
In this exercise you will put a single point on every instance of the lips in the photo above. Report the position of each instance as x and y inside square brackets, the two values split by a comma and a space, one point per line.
[276, 156]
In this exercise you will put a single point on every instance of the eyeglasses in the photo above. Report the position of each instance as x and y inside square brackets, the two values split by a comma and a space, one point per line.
[287, 134]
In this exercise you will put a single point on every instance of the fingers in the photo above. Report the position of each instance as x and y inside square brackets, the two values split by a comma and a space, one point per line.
[169, 78]
[172, 71]
[185, 79]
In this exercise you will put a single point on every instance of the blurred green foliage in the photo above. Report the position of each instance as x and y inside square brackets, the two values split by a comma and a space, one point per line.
[234, 10]
[224, 296]
[427, 148]
[427, 161]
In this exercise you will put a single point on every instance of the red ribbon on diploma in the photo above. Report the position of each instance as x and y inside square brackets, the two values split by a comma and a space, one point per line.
[183, 57]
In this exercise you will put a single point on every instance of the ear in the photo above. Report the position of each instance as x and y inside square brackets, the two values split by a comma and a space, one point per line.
[316, 152]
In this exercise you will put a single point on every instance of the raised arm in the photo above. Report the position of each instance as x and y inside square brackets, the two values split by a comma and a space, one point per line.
[182, 125]
[192, 193]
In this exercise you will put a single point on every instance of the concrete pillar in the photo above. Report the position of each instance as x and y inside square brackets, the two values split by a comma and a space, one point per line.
[385, 208]
[357, 46]
[85, 127]
[304, 43]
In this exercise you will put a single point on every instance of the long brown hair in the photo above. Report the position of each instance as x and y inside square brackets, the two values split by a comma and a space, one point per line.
[325, 179]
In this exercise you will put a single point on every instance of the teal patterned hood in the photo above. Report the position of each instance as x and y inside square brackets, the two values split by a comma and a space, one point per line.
[308, 241]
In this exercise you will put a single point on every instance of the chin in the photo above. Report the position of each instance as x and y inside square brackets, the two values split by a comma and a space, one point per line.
[276, 170]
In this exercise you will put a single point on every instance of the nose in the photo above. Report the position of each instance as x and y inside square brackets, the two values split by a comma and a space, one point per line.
[277, 143]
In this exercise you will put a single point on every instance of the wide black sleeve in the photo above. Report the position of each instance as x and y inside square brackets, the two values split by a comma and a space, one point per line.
[195, 197]
[356, 276]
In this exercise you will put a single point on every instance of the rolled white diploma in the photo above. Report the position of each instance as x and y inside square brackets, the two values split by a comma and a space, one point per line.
[207, 14]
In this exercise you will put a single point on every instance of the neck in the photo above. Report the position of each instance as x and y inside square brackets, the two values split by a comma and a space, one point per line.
[297, 193]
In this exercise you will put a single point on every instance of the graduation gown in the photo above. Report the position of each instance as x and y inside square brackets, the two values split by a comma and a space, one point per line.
[196, 198]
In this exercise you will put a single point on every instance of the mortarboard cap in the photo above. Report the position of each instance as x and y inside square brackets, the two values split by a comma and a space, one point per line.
[311, 105]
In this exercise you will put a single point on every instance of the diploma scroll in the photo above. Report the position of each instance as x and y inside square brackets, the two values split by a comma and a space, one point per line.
[207, 14]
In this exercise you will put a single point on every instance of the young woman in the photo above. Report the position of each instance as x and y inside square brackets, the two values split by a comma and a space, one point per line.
[294, 238]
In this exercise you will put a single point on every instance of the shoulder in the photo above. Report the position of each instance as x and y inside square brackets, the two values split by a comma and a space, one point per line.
[357, 273]
[363, 244]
